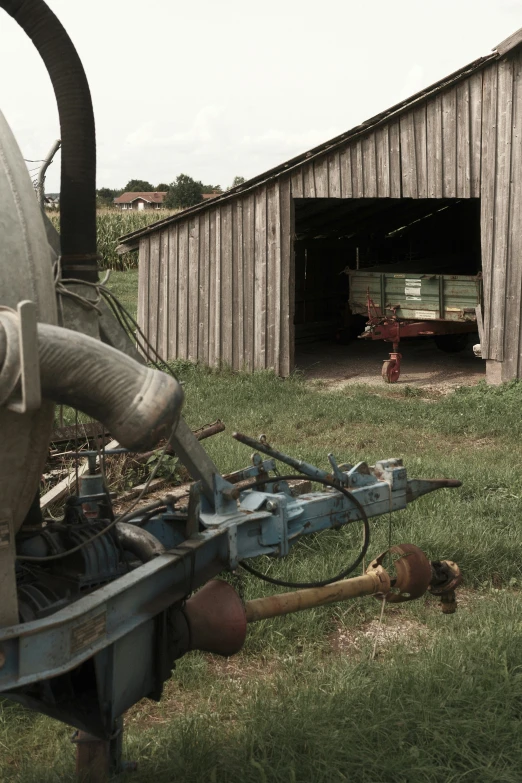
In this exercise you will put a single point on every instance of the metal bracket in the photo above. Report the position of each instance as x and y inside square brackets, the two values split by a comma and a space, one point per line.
[22, 362]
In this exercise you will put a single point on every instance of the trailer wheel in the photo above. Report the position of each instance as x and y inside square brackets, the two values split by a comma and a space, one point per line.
[451, 343]
[391, 370]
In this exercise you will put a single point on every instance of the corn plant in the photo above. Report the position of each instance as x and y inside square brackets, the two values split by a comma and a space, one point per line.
[112, 224]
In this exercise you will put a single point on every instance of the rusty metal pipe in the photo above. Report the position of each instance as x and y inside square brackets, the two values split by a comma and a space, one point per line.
[376, 581]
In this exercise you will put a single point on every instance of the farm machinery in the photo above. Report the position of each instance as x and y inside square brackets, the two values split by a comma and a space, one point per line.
[96, 608]
[400, 304]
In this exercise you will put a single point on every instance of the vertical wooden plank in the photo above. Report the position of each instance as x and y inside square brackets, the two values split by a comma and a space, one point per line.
[475, 109]
[193, 290]
[346, 173]
[163, 325]
[154, 267]
[514, 316]
[143, 285]
[334, 175]
[434, 146]
[395, 160]
[463, 141]
[172, 351]
[383, 161]
[420, 135]
[369, 156]
[260, 280]
[357, 170]
[291, 285]
[248, 277]
[449, 143]
[227, 314]
[408, 156]
[218, 291]
[309, 180]
[213, 352]
[287, 284]
[321, 177]
[297, 183]
[273, 320]
[487, 192]
[502, 200]
[238, 358]
[204, 287]
[512, 364]
[183, 290]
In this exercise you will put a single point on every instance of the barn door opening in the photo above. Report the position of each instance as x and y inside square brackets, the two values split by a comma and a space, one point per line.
[406, 239]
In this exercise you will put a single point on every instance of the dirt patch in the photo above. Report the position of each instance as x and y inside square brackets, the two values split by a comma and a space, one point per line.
[424, 366]
[393, 629]
[235, 674]
[239, 669]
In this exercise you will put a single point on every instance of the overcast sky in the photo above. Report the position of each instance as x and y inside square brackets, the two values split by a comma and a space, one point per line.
[218, 88]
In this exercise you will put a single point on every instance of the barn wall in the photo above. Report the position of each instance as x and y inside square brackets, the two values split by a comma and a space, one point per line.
[431, 151]
[501, 218]
[218, 287]
[215, 288]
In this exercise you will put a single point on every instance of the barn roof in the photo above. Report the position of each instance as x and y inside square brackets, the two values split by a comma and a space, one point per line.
[130, 240]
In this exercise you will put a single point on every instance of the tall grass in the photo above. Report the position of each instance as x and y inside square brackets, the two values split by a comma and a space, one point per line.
[114, 223]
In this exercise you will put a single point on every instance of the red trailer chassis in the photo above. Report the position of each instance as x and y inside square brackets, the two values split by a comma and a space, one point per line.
[392, 330]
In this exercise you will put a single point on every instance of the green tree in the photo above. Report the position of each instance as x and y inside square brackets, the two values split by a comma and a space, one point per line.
[162, 188]
[138, 185]
[212, 189]
[237, 181]
[183, 192]
[105, 196]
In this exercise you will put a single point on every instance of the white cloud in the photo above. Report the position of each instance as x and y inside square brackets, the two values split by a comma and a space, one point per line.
[216, 90]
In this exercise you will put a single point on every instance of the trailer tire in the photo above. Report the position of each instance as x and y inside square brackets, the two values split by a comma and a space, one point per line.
[390, 371]
[451, 343]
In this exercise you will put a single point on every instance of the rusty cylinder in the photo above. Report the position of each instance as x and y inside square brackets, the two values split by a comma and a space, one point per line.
[375, 581]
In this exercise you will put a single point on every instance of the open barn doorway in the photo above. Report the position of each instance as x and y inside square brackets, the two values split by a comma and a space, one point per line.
[391, 237]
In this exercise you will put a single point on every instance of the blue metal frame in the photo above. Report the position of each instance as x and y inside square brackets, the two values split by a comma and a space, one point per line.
[239, 525]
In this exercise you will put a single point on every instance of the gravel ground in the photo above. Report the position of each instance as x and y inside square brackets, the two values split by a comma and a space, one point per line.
[423, 364]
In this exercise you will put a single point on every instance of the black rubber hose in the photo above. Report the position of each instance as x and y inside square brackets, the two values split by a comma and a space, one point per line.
[78, 173]
[346, 571]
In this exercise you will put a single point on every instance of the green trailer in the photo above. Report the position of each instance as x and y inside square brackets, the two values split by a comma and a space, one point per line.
[412, 304]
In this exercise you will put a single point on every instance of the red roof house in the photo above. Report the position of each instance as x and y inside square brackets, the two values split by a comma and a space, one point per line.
[140, 200]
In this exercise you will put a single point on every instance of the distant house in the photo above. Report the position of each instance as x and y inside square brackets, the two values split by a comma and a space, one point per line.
[140, 200]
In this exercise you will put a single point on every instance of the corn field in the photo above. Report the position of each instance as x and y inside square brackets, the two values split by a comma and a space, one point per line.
[112, 224]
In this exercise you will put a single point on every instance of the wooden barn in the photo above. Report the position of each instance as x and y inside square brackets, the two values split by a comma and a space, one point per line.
[239, 278]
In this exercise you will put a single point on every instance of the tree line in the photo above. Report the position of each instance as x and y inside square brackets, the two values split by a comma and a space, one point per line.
[183, 192]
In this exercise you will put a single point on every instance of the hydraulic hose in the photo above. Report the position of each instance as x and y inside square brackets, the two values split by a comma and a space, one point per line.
[78, 171]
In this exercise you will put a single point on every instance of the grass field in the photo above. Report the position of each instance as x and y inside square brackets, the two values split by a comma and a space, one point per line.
[306, 700]
[125, 286]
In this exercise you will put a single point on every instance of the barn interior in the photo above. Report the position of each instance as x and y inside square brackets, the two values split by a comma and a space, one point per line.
[418, 236]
